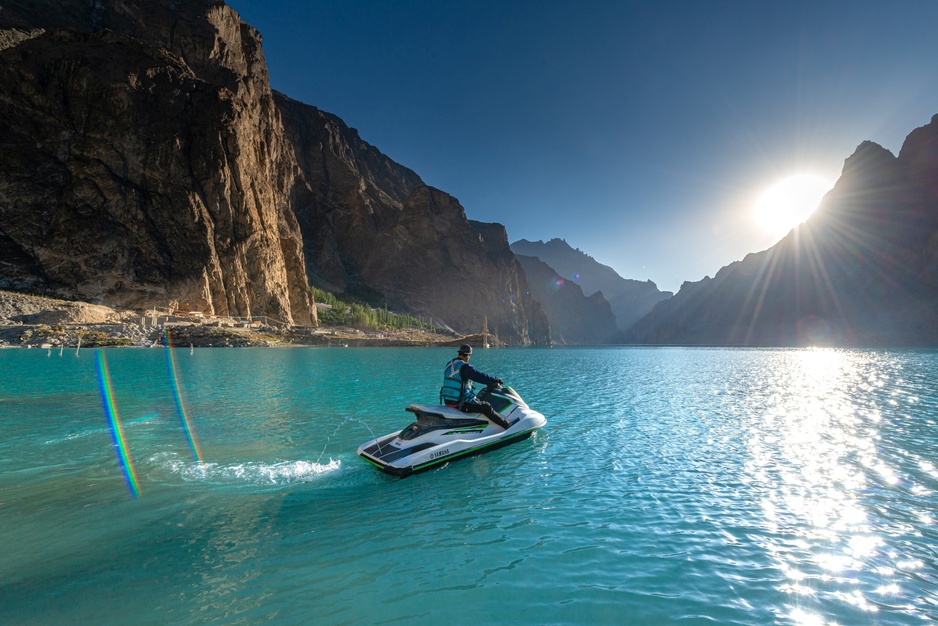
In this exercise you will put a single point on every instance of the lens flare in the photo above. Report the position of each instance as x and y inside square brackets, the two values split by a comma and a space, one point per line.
[789, 202]
[117, 433]
[177, 396]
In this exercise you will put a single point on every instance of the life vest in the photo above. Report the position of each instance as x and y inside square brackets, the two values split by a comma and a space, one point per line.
[455, 390]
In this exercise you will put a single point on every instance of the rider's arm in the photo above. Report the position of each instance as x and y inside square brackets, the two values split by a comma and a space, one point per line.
[473, 374]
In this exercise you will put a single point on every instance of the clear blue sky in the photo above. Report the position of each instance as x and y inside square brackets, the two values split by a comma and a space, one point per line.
[640, 132]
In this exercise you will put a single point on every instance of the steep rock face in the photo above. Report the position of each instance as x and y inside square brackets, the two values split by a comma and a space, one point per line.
[434, 261]
[862, 271]
[574, 319]
[142, 160]
[355, 192]
[374, 230]
[630, 299]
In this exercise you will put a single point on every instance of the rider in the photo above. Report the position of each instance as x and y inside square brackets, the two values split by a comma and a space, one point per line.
[457, 388]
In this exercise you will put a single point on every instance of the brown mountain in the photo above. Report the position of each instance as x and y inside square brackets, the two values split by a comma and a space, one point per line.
[144, 160]
[355, 192]
[371, 228]
[862, 271]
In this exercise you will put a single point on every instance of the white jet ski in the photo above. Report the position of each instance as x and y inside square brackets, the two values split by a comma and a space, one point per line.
[442, 433]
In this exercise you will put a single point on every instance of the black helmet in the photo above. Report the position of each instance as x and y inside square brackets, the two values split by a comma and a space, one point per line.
[465, 349]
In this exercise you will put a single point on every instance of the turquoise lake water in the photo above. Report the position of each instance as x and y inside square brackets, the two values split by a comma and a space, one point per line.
[690, 486]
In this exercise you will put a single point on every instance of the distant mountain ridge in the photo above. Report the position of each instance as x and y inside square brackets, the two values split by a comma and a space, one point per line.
[630, 299]
[574, 319]
[862, 271]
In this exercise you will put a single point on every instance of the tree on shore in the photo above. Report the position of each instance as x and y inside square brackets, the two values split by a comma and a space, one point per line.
[343, 313]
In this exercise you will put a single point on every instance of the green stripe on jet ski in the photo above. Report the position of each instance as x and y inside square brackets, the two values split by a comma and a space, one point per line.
[403, 472]
[488, 446]
[468, 429]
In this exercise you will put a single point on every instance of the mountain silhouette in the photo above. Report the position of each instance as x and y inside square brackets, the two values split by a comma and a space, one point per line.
[630, 299]
[862, 271]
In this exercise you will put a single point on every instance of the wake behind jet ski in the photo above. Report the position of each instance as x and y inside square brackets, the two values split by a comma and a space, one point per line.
[443, 433]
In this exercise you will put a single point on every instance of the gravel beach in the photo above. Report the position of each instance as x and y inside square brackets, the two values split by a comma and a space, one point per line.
[28, 321]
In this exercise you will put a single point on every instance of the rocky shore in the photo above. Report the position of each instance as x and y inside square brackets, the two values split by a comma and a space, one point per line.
[28, 321]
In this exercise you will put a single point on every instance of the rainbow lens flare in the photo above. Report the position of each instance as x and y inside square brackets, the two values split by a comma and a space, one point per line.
[117, 433]
[180, 408]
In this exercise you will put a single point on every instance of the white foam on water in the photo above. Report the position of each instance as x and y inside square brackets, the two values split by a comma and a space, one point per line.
[99, 430]
[253, 473]
[78, 435]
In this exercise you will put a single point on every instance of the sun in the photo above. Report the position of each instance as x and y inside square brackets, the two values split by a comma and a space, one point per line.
[789, 202]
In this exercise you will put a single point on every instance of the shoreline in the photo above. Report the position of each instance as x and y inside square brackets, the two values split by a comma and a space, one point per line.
[92, 336]
[38, 322]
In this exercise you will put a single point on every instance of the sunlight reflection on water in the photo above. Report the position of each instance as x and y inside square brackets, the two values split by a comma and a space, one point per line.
[815, 454]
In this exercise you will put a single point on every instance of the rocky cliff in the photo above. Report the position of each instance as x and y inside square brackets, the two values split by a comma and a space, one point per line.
[355, 192]
[143, 161]
[372, 229]
[630, 299]
[574, 319]
[863, 270]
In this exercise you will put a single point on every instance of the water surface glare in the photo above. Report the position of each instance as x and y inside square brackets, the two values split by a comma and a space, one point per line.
[670, 485]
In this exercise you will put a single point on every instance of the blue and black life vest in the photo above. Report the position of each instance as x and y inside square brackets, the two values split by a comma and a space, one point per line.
[455, 390]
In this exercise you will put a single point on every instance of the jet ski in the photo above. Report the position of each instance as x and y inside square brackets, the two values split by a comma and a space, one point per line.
[443, 433]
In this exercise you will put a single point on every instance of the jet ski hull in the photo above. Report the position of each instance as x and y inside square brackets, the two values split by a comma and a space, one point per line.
[442, 434]
[446, 455]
